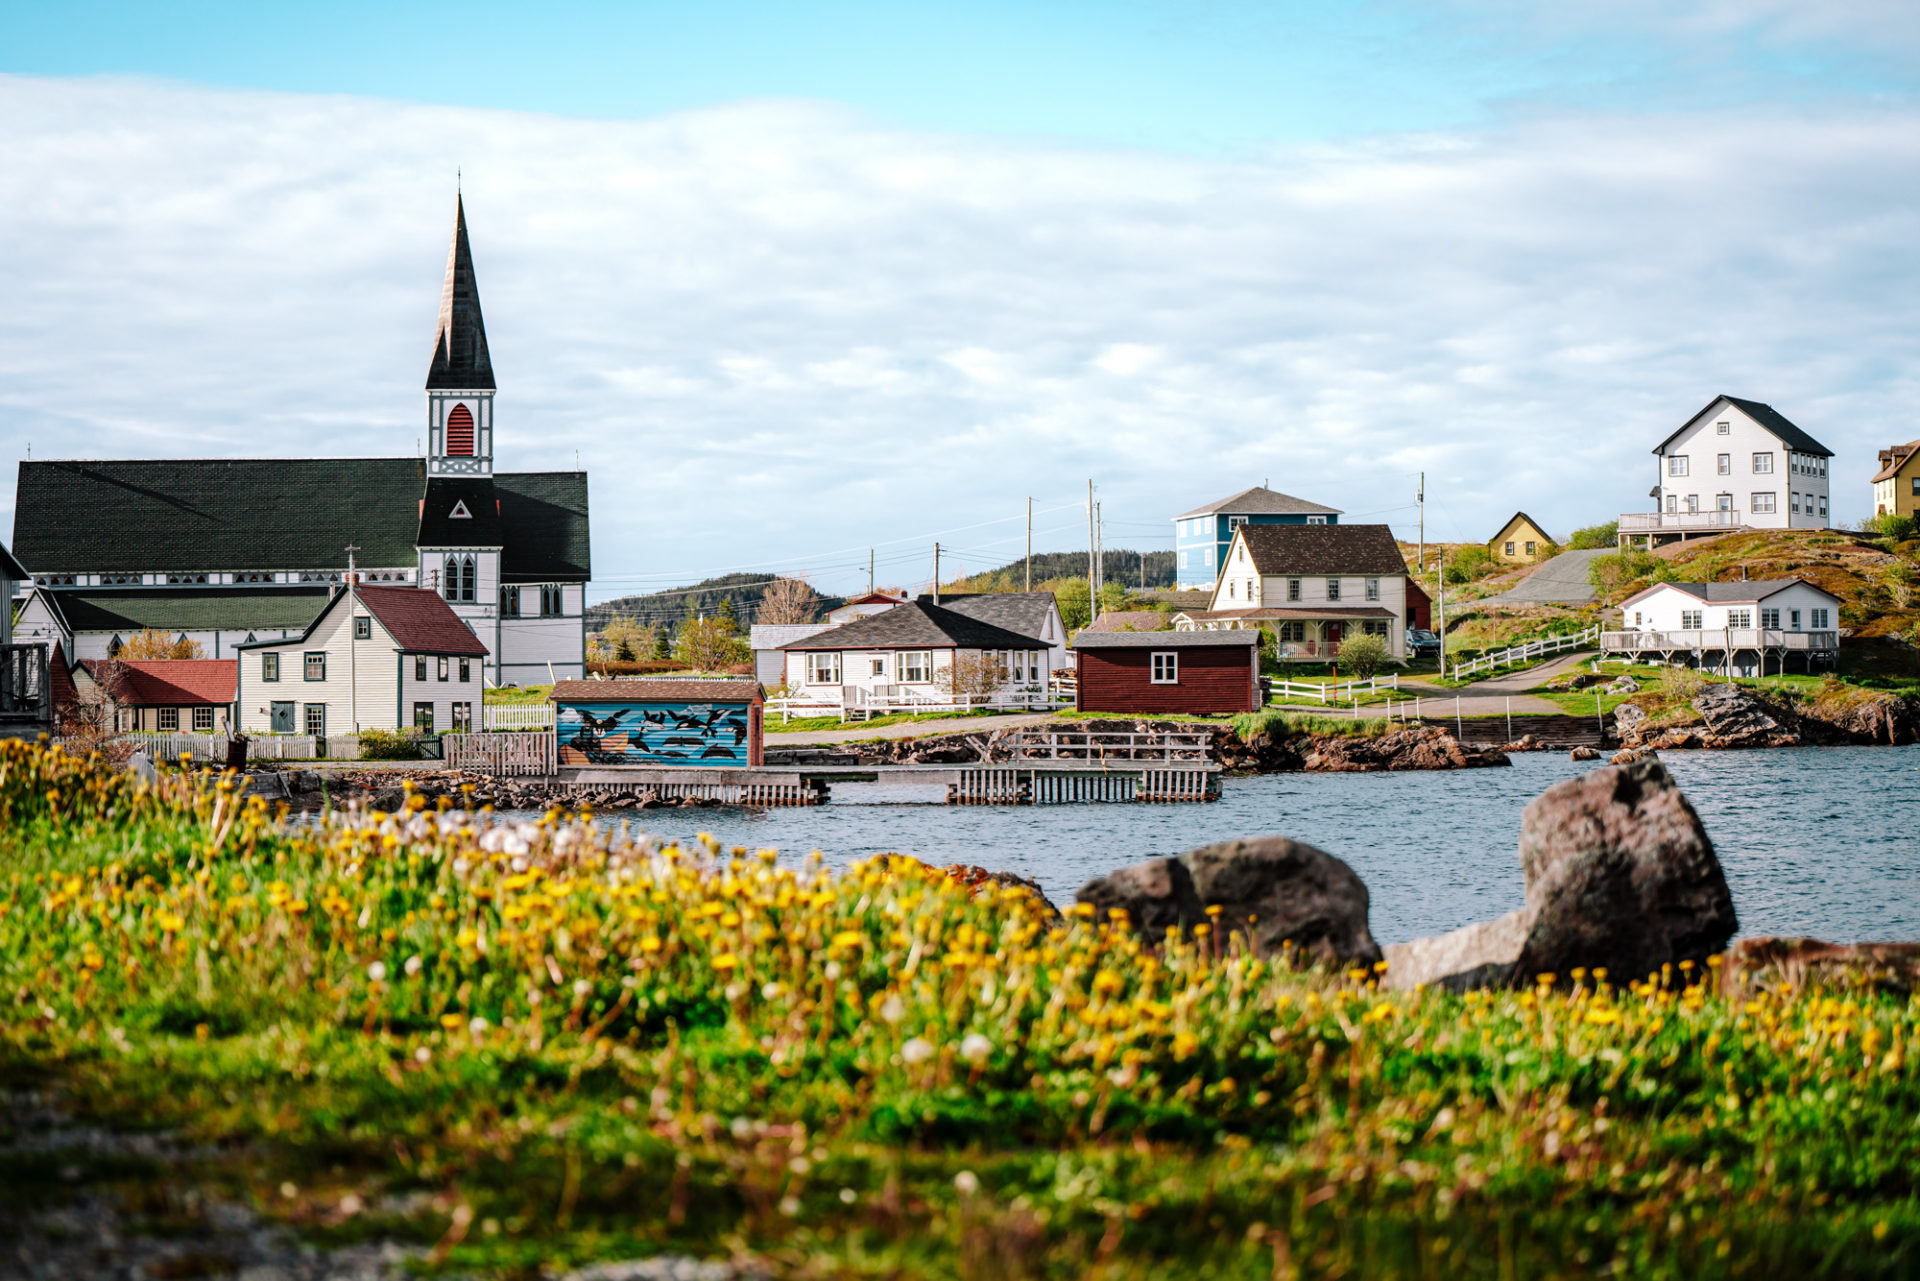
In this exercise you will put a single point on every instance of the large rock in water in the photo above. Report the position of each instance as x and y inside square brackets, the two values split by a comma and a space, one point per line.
[1619, 873]
[1273, 890]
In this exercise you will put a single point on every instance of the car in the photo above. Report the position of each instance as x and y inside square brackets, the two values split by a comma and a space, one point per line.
[1422, 643]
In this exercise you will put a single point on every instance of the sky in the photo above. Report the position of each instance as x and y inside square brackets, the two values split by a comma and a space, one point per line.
[801, 283]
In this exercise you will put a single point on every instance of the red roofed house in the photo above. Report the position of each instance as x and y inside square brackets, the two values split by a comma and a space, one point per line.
[165, 695]
[375, 658]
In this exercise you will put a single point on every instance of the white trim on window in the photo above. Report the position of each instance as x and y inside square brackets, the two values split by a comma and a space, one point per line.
[1165, 667]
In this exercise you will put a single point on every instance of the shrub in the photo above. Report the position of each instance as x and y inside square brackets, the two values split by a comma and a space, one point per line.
[1893, 528]
[1469, 563]
[391, 744]
[1595, 536]
[1363, 654]
[1608, 574]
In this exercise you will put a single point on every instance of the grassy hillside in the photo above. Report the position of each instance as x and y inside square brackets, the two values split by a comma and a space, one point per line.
[1122, 567]
[669, 607]
[1876, 582]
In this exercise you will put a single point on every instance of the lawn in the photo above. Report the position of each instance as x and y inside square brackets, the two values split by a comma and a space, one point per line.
[807, 724]
[517, 695]
[527, 1047]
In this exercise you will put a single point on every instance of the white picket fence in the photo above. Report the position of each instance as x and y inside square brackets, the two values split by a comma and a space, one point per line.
[1306, 691]
[212, 748]
[519, 716]
[531, 752]
[1528, 652]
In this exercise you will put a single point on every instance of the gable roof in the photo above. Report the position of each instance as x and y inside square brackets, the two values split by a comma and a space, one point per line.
[1515, 519]
[1261, 501]
[1764, 414]
[1246, 638]
[11, 568]
[166, 682]
[656, 690]
[1129, 620]
[420, 622]
[460, 358]
[1892, 460]
[1023, 612]
[1735, 593]
[441, 521]
[543, 515]
[186, 609]
[1323, 549]
[918, 623]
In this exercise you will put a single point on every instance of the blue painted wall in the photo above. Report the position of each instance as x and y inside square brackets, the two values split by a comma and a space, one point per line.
[718, 734]
[1197, 554]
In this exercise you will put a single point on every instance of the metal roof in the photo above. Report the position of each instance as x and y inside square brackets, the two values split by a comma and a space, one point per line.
[1261, 501]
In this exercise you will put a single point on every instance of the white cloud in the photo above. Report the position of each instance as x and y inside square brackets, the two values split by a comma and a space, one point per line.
[777, 333]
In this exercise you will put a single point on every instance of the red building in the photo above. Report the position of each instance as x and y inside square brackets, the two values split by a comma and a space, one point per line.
[1173, 673]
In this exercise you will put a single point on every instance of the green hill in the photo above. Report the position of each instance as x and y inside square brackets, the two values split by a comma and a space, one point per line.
[1121, 567]
[668, 607]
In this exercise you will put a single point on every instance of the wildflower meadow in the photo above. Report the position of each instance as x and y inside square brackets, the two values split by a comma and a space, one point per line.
[523, 1046]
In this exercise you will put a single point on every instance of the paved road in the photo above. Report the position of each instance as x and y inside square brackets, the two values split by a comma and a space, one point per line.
[853, 733]
[1560, 581]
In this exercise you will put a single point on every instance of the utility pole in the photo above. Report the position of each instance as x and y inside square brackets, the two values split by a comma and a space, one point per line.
[1093, 594]
[1099, 557]
[869, 571]
[1421, 498]
[1441, 576]
[353, 643]
[1029, 544]
[936, 573]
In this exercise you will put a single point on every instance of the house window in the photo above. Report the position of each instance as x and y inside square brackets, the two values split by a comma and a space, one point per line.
[1183, 560]
[1333, 589]
[1722, 429]
[317, 666]
[1823, 504]
[114, 647]
[1316, 520]
[168, 720]
[1375, 627]
[1636, 618]
[1509, 549]
[914, 666]
[1373, 584]
[1530, 548]
[1234, 522]
[510, 602]
[1726, 464]
[419, 667]
[1233, 590]
[1677, 465]
[363, 629]
[442, 667]
[466, 670]
[879, 666]
[1763, 503]
[1793, 502]
[1819, 619]
[1166, 668]
[1763, 464]
[1292, 631]
[269, 667]
[1740, 618]
[463, 718]
[1770, 619]
[1690, 620]
[1293, 589]
[1673, 503]
[468, 578]
[203, 720]
[317, 719]
[423, 716]
[1693, 503]
[823, 669]
[1793, 619]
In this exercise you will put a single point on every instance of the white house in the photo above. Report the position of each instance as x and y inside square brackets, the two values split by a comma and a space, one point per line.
[375, 658]
[765, 640]
[1737, 464]
[1314, 585]
[1736, 627]
[903, 657]
[863, 607]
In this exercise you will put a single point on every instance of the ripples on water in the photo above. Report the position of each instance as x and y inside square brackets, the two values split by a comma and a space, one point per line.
[1819, 841]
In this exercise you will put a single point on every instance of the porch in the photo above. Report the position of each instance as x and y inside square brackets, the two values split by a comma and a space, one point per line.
[1648, 530]
[1733, 650]
[1302, 635]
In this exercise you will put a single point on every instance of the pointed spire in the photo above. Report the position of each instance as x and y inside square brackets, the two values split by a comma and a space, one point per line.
[460, 360]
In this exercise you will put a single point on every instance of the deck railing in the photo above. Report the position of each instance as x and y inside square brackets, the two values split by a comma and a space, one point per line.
[1722, 638]
[1037, 745]
[864, 702]
[1678, 522]
[1528, 652]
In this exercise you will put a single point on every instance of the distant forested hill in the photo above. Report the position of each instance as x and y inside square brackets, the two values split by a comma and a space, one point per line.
[669, 607]
[1122, 567]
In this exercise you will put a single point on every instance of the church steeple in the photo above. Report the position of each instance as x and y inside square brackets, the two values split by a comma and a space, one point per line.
[460, 380]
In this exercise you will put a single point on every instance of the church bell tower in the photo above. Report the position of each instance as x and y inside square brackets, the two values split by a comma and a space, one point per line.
[460, 379]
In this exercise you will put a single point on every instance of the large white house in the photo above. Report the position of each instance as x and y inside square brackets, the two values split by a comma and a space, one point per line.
[1742, 628]
[229, 550]
[1737, 464]
[375, 658]
[1314, 585]
[904, 656]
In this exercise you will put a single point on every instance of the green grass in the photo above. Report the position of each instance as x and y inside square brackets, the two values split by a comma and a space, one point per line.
[536, 1047]
[516, 695]
[854, 729]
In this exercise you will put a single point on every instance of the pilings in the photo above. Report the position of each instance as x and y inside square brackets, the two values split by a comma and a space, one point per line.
[1027, 786]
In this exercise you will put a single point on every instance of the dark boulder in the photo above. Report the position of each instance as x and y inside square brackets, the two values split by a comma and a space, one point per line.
[1156, 896]
[1278, 891]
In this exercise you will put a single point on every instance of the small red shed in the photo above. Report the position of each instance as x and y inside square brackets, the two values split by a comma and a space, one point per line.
[1179, 673]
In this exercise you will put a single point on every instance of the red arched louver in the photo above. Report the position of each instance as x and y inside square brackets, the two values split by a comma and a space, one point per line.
[460, 433]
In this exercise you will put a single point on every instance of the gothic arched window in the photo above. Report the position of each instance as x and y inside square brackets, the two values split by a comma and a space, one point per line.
[460, 433]
[467, 579]
[451, 590]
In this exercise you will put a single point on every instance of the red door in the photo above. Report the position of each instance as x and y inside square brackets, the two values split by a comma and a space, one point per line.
[1332, 632]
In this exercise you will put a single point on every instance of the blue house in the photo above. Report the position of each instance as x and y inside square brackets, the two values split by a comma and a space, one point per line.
[1201, 537]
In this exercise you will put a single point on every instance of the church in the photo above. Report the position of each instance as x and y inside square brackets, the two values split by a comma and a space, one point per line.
[231, 551]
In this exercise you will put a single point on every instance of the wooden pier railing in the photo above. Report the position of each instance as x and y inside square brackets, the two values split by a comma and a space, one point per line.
[1040, 745]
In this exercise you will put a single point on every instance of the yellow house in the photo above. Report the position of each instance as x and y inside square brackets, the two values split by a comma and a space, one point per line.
[1896, 486]
[1520, 541]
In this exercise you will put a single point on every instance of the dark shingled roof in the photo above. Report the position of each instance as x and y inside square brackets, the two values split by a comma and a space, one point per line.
[1022, 612]
[160, 515]
[188, 609]
[1323, 549]
[663, 690]
[475, 495]
[1892, 460]
[1261, 501]
[10, 568]
[544, 515]
[1735, 593]
[1519, 516]
[1245, 638]
[1768, 417]
[917, 623]
[460, 359]
[420, 622]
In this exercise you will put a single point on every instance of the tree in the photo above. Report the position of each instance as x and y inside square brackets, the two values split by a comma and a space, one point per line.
[91, 722]
[1363, 654]
[788, 600]
[624, 653]
[662, 647]
[151, 643]
[973, 676]
[709, 644]
[1610, 574]
[1071, 596]
[1113, 597]
[1594, 537]
[1470, 562]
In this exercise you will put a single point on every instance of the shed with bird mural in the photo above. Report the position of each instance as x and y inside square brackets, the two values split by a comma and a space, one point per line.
[678, 721]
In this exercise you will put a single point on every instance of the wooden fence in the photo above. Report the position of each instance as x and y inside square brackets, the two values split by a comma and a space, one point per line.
[1528, 652]
[533, 752]
[504, 716]
[1284, 691]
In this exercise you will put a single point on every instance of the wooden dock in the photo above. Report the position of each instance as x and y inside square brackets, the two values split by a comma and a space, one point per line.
[1010, 784]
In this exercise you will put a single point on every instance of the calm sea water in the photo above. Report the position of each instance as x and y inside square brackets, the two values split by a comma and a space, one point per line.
[1819, 841]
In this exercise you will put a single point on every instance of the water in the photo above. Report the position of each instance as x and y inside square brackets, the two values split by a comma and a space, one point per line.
[1817, 841]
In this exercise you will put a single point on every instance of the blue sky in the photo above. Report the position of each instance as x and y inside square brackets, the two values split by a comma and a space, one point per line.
[796, 282]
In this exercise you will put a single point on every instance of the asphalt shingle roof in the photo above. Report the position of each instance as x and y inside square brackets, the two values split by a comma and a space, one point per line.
[1130, 620]
[10, 568]
[166, 682]
[1768, 417]
[1513, 519]
[1735, 593]
[1323, 549]
[917, 624]
[664, 690]
[420, 622]
[1261, 501]
[1243, 639]
[188, 609]
[460, 358]
[1022, 612]
[446, 496]
[1900, 455]
[543, 515]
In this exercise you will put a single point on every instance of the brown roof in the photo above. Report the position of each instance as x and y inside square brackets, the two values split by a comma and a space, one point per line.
[1521, 516]
[1323, 549]
[666, 690]
[166, 682]
[1892, 460]
[1130, 620]
[420, 622]
[1288, 611]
